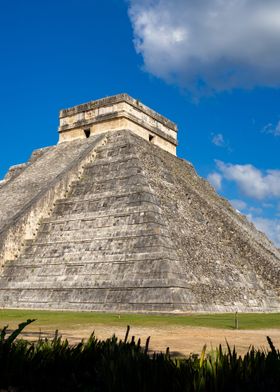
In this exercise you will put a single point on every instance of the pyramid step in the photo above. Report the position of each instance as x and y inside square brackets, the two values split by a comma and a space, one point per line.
[118, 145]
[90, 266]
[108, 173]
[113, 164]
[98, 281]
[134, 199]
[117, 210]
[77, 258]
[90, 229]
[128, 159]
[147, 299]
[85, 194]
[121, 197]
[94, 252]
[97, 192]
[102, 182]
[100, 233]
[114, 244]
[109, 299]
[114, 217]
[99, 227]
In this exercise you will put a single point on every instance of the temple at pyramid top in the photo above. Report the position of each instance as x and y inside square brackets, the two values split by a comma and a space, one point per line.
[116, 113]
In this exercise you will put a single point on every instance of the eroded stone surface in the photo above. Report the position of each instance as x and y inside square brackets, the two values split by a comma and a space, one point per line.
[137, 230]
[30, 193]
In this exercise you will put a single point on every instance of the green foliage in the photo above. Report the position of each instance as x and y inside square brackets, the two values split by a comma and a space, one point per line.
[116, 365]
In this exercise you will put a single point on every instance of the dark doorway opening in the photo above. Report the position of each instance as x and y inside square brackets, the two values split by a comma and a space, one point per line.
[87, 133]
[151, 137]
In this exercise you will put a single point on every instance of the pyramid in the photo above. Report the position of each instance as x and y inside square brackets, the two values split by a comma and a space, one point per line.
[110, 219]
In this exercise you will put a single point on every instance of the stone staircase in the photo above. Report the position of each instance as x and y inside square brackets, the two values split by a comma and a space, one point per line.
[105, 245]
[28, 194]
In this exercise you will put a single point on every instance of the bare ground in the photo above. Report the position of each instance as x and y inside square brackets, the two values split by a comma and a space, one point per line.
[180, 340]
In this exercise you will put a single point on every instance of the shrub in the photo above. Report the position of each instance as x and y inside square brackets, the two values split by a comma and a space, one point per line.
[116, 365]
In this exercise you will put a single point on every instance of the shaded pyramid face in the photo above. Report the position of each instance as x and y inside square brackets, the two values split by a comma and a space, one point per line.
[136, 230]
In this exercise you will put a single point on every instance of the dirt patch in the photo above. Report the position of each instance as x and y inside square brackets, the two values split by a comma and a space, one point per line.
[180, 340]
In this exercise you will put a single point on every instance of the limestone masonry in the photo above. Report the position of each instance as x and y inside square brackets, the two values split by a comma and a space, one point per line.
[110, 219]
[114, 114]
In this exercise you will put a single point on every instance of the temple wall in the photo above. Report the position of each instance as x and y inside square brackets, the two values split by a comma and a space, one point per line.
[117, 125]
[116, 113]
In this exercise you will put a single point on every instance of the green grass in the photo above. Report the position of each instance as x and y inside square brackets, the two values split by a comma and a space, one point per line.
[69, 320]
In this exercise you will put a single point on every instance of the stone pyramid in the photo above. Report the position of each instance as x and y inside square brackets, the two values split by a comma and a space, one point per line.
[111, 220]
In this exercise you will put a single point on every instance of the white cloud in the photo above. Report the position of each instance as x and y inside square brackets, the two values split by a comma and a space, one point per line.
[215, 179]
[209, 44]
[272, 129]
[241, 205]
[218, 140]
[271, 227]
[238, 204]
[251, 181]
[259, 185]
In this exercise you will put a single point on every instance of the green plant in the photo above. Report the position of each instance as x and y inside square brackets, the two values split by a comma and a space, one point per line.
[126, 365]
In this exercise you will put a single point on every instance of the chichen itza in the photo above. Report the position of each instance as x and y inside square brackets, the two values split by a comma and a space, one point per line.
[110, 219]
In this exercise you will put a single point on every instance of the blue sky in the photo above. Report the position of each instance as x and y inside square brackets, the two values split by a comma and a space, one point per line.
[212, 66]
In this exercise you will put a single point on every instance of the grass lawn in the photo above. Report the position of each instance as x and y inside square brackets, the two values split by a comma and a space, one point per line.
[69, 320]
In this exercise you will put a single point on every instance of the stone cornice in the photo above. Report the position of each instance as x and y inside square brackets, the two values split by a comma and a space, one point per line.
[114, 115]
[108, 101]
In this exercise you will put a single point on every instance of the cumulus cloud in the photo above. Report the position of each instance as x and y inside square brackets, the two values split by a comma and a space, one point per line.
[251, 181]
[272, 129]
[271, 227]
[209, 44]
[259, 185]
[215, 179]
